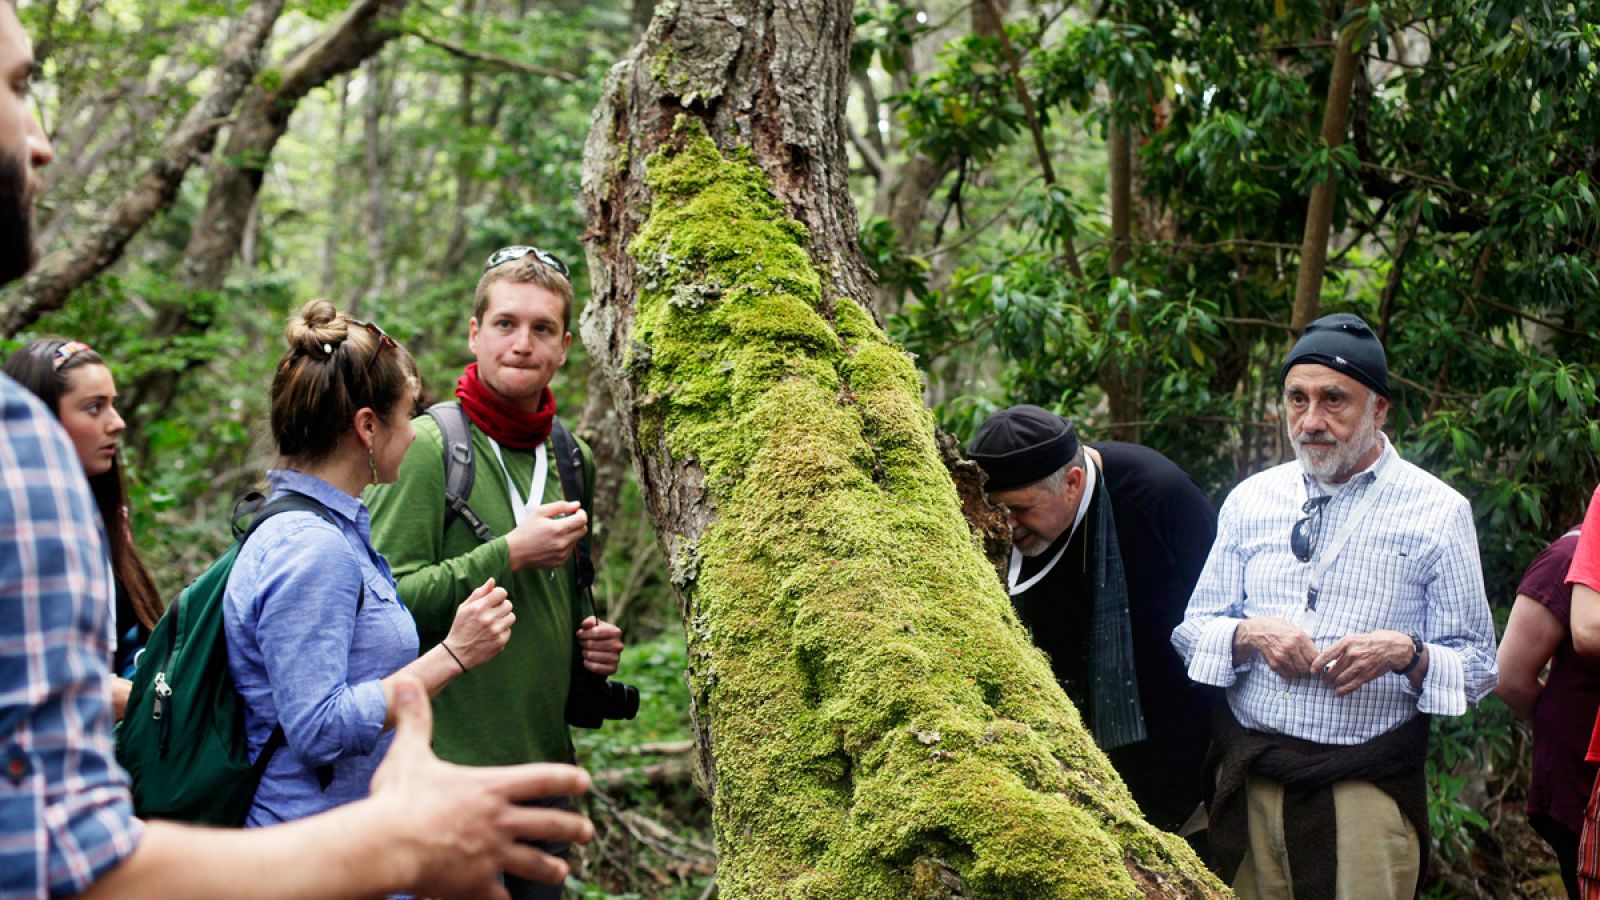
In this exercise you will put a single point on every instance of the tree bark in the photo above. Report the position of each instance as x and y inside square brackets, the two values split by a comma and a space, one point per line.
[1319, 213]
[1122, 384]
[372, 108]
[872, 720]
[330, 241]
[58, 274]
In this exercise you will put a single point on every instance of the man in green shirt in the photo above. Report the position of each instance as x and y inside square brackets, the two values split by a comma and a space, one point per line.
[511, 709]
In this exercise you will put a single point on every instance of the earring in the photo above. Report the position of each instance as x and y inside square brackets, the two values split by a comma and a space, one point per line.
[372, 465]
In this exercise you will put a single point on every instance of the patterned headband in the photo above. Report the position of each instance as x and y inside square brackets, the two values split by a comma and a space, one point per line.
[67, 351]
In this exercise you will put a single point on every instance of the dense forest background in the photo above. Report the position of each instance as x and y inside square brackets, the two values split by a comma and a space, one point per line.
[1117, 209]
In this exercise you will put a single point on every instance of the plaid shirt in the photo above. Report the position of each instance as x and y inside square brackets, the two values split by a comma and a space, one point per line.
[1411, 566]
[65, 813]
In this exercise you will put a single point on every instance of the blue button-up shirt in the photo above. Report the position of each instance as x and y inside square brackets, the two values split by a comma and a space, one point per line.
[1410, 566]
[301, 654]
[66, 817]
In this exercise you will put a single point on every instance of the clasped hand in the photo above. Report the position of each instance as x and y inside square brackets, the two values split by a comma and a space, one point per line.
[544, 540]
[1345, 666]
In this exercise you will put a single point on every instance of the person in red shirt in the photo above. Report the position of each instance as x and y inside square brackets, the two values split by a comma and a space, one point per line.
[1584, 577]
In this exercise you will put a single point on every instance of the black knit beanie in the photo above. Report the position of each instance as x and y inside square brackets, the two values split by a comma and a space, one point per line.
[1346, 344]
[1017, 446]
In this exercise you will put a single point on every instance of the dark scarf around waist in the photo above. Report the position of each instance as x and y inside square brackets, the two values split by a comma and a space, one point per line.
[1393, 762]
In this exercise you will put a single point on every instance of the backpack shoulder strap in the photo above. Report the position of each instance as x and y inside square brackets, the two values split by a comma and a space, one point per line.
[455, 433]
[570, 464]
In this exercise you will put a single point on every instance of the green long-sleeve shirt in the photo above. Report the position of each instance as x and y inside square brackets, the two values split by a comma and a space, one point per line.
[510, 709]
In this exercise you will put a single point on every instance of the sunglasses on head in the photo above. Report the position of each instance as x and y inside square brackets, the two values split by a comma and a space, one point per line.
[1303, 537]
[507, 254]
[384, 341]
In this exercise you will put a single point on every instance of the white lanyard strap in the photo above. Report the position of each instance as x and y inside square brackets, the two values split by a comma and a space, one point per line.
[1348, 530]
[541, 471]
[1016, 569]
[1016, 558]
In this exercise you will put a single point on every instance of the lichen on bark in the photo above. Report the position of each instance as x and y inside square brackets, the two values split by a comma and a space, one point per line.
[882, 726]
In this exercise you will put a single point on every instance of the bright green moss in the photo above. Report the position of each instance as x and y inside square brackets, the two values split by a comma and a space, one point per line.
[882, 726]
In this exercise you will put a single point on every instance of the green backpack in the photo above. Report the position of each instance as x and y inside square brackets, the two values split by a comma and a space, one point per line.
[182, 737]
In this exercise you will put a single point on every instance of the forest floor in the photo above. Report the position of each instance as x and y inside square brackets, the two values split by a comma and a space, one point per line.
[652, 824]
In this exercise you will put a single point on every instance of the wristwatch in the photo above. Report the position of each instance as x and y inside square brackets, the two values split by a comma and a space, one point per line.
[1416, 654]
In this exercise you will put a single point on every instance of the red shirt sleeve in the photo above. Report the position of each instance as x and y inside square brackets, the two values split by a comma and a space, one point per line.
[1586, 560]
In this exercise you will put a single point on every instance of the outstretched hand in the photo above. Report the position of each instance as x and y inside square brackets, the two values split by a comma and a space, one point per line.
[461, 825]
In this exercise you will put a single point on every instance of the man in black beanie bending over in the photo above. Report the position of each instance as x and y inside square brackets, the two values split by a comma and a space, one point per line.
[1107, 541]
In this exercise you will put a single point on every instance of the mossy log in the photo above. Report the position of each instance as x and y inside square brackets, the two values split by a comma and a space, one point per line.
[872, 719]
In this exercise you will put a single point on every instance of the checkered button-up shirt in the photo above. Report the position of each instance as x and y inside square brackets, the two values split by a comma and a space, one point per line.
[65, 813]
[1411, 565]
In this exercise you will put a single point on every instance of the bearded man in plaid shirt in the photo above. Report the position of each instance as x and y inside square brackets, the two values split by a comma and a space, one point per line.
[1341, 606]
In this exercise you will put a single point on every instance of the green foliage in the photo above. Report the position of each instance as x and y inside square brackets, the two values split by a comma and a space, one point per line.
[886, 34]
[1463, 748]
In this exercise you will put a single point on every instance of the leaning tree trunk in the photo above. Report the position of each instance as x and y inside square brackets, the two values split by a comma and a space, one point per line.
[56, 276]
[237, 174]
[872, 720]
[1319, 211]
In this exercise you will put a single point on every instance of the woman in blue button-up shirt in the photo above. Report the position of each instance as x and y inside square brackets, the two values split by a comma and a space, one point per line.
[314, 626]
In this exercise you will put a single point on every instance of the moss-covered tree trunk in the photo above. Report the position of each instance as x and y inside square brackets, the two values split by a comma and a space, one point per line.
[872, 720]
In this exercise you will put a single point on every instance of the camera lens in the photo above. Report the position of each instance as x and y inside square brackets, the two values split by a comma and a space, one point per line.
[622, 700]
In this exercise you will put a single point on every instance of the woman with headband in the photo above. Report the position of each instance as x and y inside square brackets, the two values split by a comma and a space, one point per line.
[76, 384]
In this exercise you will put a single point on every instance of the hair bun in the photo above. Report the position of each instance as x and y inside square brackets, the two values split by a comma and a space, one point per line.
[316, 328]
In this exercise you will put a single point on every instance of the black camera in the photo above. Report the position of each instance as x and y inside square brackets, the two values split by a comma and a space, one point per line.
[592, 699]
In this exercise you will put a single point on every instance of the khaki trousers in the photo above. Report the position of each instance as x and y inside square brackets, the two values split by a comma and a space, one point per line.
[1377, 846]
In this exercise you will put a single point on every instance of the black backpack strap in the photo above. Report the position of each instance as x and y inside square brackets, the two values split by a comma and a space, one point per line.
[455, 433]
[251, 503]
[570, 464]
[274, 743]
[289, 502]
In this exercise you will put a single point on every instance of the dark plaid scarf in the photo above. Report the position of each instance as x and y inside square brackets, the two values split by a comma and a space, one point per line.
[1116, 717]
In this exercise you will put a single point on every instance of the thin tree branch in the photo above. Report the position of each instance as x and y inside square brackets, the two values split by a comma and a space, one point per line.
[63, 271]
[492, 59]
[1529, 317]
[1034, 127]
[1264, 323]
[869, 157]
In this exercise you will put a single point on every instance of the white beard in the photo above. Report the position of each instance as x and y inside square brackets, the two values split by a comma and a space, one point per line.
[1032, 545]
[1338, 463]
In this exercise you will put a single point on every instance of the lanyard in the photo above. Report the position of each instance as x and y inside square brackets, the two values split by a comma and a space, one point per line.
[1016, 558]
[1346, 531]
[1016, 569]
[541, 471]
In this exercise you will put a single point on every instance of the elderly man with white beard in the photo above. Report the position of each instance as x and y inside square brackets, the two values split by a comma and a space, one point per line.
[1342, 604]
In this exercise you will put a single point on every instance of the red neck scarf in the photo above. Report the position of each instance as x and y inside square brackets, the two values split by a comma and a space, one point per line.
[509, 425]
